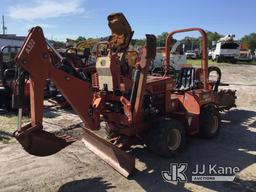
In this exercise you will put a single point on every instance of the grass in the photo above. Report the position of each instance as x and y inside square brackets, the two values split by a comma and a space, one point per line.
[197, 62]
[8, 124]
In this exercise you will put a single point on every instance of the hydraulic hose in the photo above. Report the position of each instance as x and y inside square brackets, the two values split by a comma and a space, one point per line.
[20, 83]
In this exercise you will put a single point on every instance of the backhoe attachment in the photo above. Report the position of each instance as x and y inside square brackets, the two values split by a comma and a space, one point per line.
[37, 58]
[34, 59]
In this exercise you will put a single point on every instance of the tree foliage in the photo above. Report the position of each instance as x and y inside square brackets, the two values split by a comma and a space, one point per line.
[80, 38]
[250, 40]
[138, 42]
[212, 36]
[160, 40]
[190, 42]
[196, 42]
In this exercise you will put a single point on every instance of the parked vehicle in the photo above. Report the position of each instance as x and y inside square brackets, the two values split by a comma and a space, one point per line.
[190, 54]
[158, 111]
[177, 59]
[8, 91]
[226, 49]
[210, 53]
[245, 55]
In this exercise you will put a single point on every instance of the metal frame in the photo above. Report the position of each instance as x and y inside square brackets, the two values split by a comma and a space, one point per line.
[204, 52]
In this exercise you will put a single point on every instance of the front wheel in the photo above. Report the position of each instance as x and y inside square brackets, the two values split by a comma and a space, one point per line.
[233, 61]
[209, 122]
[167, 138]
[218, 59]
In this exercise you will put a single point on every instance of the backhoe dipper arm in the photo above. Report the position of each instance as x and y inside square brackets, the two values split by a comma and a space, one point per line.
[35, 58]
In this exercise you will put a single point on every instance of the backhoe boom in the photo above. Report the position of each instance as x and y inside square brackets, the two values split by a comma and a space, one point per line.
[36, 58]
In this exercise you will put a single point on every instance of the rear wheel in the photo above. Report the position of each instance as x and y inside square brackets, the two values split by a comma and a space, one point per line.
[167, 139]
[218, 59]
[234, 61]
[209, 122]
[5, 99]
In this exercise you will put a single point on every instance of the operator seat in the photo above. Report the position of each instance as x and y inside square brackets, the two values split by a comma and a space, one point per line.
[186, 79]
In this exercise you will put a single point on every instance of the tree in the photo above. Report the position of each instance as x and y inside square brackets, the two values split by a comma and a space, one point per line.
[192, 42]
[212, 36]
[250, 40]
[138, 42]
[80, 38]
[161, 39]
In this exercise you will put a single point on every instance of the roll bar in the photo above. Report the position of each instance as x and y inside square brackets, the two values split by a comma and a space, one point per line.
[204, 65]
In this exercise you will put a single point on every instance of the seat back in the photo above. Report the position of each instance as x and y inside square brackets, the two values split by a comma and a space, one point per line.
[186, 79]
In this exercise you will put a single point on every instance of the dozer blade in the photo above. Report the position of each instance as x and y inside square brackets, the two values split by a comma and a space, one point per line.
[42, 143]
[115, 157]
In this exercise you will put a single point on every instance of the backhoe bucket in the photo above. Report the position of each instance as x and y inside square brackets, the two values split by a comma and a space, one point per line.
[42, 143]
[121, 161]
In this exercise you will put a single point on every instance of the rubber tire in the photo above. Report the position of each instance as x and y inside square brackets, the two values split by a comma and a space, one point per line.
[5, 99]
[218, 59]
[234, 61]
[206, 116]
[157, 137]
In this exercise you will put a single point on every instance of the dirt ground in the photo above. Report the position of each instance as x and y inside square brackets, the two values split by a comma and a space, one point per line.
[75, 168]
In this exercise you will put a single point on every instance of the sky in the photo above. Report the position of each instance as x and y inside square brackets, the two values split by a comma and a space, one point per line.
[62, 19]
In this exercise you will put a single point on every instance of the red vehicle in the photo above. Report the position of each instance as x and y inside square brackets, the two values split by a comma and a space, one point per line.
[8, 72]
[133, 104]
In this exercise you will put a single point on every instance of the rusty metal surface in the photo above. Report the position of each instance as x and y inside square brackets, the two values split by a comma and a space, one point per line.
[226, 99]
[41, 143]
[148, 54]
[112, 155]
[121, 31]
